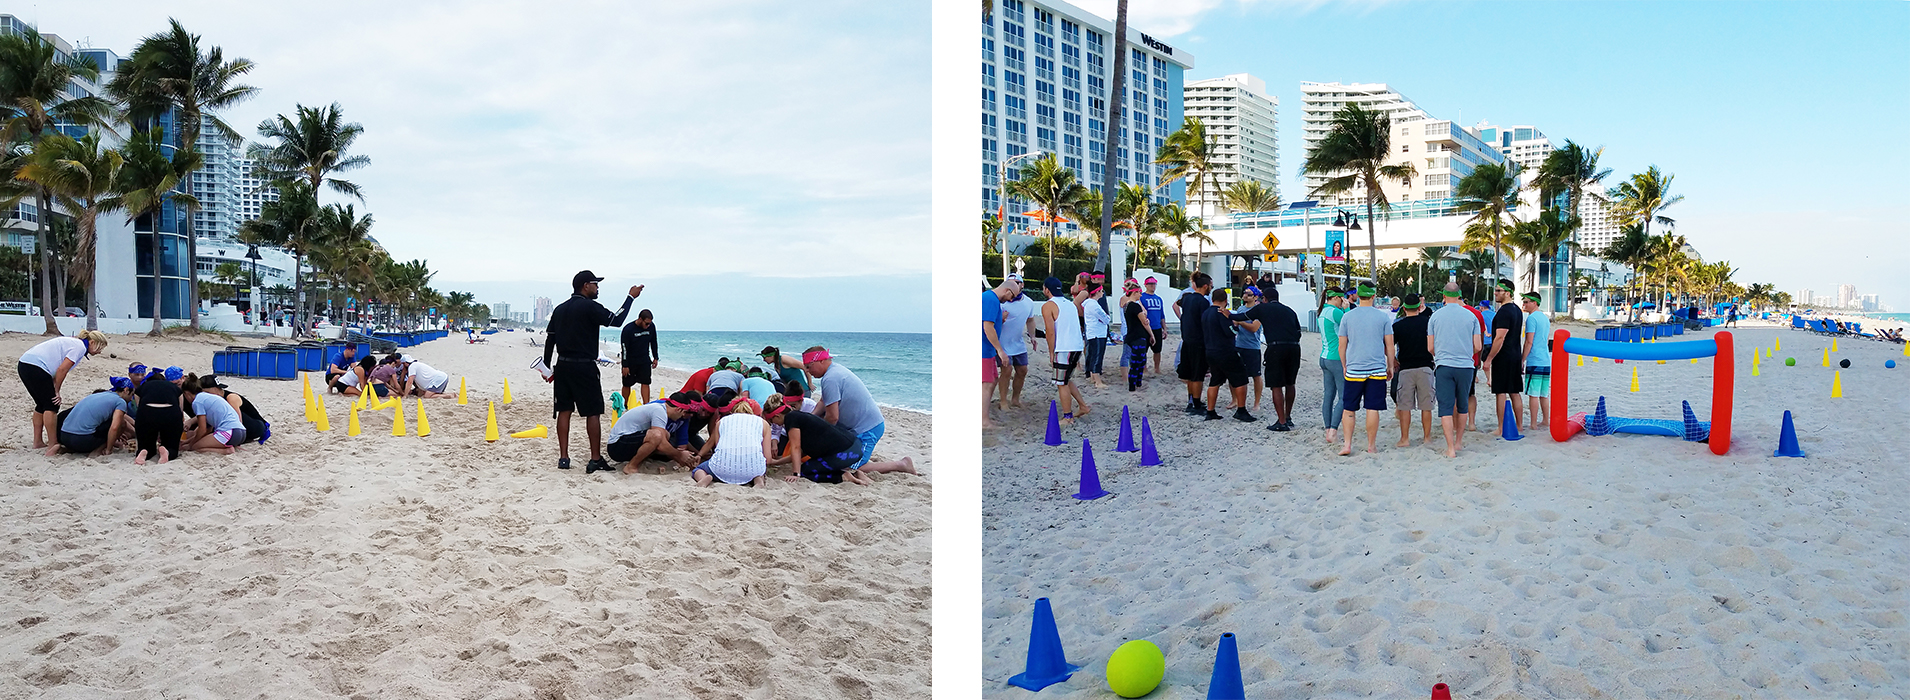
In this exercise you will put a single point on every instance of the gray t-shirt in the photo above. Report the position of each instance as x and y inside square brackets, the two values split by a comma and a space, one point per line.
[639, 420]
[857, 411]
[1365, 329]
[92, 412]
[1453, 327]
[728, 378]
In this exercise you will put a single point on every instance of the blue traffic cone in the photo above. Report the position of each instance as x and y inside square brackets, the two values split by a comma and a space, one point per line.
[1787, 440]
[1599, 424]
[1126, 443]
[1090, 476]
[1054, 424]
[1046, 664]
[1509, 424]
[1694, 430]
[1225, 684]
[1149, 458]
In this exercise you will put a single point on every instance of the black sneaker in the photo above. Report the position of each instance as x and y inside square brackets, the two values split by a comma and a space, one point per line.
[1280, 427]
[597, 465]
[1194, 409]
[1213, 416]
[1241, 414]
[563, 462]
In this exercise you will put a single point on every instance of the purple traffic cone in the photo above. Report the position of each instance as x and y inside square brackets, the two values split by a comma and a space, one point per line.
[1599, 424]
[1694, 430]
[1126, 443]
[1054, 424]
[1225, 683]
[1046, 664]
[1149, 458]
[1509, 424]
[1787, 440]
[1090, 476]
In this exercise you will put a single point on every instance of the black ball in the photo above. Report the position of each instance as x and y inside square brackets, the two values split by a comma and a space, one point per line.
[1844, 363]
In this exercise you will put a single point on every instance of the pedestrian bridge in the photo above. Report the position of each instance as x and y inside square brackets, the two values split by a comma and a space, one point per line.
[1410, 225]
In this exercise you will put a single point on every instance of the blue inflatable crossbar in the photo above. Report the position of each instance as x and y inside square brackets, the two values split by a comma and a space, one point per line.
[1642, 351]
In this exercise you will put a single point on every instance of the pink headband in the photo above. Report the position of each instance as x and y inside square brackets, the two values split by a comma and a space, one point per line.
[816, 356]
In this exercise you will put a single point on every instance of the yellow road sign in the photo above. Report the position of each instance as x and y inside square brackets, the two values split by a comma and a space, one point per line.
[1270, 242]
[1269, 257]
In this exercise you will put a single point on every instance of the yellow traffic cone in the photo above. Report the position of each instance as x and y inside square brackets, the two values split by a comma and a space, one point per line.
[398, 426]
[1661, 362]
[1634, 380]
[1833, 345]
[1694, 360]
[461, 394]
[1581, 360]
[507, 392]
[1906, 349]
[1826, 358]
[1778, 342]
[424, 424]
[1754, 366]
[311, 408]
[352, 429]
[324, 421]
[1594, 360]
[1837, 385]
[537, 432]
[490, 422]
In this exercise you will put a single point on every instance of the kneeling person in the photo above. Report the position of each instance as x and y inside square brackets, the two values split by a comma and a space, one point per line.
[97, 422]
[818, 451]
[644, 431]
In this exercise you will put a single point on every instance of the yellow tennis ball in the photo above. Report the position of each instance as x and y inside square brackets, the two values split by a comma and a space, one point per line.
[1136, 669]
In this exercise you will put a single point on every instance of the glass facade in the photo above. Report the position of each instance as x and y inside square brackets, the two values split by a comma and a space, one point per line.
[170, 233]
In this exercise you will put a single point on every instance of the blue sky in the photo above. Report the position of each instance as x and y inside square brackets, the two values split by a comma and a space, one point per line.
[725, 155]
[1784, 123]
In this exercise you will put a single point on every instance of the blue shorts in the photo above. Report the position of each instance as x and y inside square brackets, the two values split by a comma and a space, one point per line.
[869, 438]
[1371, 389]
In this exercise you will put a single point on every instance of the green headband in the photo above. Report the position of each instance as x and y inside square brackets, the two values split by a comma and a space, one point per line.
[1530, 296]
[1408, 306]
[1367, 291]
[1333, 294]
[1450, 293]
[1505, 285]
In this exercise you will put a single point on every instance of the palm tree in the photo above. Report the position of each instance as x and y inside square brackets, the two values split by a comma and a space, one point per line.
[1643, 199]
[1250, 195]
[1631, 249]
[1539, 239]
[1570, 170]
[991, 234]
[311, 150]
[1110, 163]
[1051, 187]
[229, 275]
[148, 181]
[1189, 155]
[169, 73]
[1489, 194]
[292, 223]
[340, 228]
[1358, 144]
[1429, 257]
[1480, 265]
[1172, 220]
[84, 179]
[33, 78]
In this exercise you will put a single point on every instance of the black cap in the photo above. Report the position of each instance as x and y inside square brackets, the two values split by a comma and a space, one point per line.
[583, 278]
[211, 381]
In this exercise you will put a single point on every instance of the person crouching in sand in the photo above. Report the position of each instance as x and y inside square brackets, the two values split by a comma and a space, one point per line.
[817, 450]
[644, 432]
[97, 422]
[216, 425]
[742, 457]
[159, 420]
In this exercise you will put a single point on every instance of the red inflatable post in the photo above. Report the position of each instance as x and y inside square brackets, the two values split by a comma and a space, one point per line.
[1561, 385]
[1724, 370]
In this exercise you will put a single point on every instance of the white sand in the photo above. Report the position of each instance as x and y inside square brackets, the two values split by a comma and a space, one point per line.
[1613, 567]
[326, 566]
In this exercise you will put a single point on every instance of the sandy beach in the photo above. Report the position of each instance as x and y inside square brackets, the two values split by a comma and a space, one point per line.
[1604, 567]
[319, 565]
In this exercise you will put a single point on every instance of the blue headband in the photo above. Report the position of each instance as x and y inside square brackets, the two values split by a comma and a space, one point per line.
[121, 383]
[174, 374]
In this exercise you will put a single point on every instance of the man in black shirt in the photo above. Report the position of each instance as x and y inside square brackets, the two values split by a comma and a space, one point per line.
[1280, 327]
[572, 335]
[1414, 382]
[1217, 327]
[1507, 357]
[1192, 367]
[640, 355]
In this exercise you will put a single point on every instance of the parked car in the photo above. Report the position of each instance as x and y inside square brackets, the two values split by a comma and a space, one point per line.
[73, 312]
[18, 308]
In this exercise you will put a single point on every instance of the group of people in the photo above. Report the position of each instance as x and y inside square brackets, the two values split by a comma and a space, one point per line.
[397, 374]
[729, 423]
[1425, 361]
[160, 412]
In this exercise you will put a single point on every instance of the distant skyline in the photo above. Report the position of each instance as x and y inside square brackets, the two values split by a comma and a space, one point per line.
[736, 153]
[1781, 121]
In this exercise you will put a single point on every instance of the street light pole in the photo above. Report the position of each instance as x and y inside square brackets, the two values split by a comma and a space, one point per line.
[1001, 210]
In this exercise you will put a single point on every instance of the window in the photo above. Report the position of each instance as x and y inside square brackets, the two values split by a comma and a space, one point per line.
[1012, 33]
[1160, 66]
[1405, 148]
[1439, 129]
[1071, 121]
[1017, 107]
[1140, 80]
[1044, 44]
[988, 99]
[1071, 54]
[988, 125]
[1140, 59]
[1044, 67]
[1160, 107]
[1439, 179]
[1014, 58]
[1095, 127]
[1015, 82]
[988, 74]
[1071, 77]
[1436, 194]
[1094, 64]
[1017, 131]
[1160, 86]
[1045, 138]
[1044, 115]
[1073, 163]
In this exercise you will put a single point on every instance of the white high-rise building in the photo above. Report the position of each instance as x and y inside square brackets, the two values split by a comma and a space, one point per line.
[1846, 295]
[1803, 296]
[1600, 226]
[216, 186]
[1524, 145]
[1045, 71]
[1240, 118]
[501, 311]
[1320, 101]
[253, 191]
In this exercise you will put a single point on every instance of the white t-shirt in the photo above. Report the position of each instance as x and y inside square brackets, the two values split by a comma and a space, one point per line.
[1014, 324]
[47, 355]
[1067, 325]
[427, 376]
[739, 449]
[638, 420]
[1097, 318]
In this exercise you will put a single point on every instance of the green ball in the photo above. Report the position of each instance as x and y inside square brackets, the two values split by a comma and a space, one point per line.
[1136, 669]
[1790, 362]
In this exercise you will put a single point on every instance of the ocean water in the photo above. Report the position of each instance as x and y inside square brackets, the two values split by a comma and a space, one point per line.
[1902, 317]
[895, 366]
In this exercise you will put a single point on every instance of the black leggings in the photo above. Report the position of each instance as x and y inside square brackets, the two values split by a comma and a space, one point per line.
[1136, 364]
[160, 426]
[39, 386]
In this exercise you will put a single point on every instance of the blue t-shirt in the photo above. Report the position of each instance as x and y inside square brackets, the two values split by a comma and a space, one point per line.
[857, 411]
[92, 412]
[991, 313]
[1246, 339]
[1156, 310]
[1540, 327]
[1365, 329]
[1486, 314]
[219, 414]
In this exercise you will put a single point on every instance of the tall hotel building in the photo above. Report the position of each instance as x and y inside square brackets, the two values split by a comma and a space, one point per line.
[1045, 86]
[1241, 120]
[1320, 101]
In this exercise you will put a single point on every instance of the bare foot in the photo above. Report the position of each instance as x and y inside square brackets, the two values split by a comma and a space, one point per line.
[1372, 449]
[1347, 449]
[1332, 435]
[1402, 443]
[1451, 454]
[140, 459]
[791, 478]
[1083, 412]
[630, 468]
[164, 456]
[908, 465]
[52, 450]
[1065, 422]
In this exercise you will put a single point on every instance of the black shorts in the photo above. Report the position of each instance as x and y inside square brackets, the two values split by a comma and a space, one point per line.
[39, 386]
[85, 443]
[1160, 337]
[1249, 361]
[625, 447]
[1508, 374]
[639, 373]
[1193, 363]
[1225, 367]
[1283, 364]
[575, 387]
